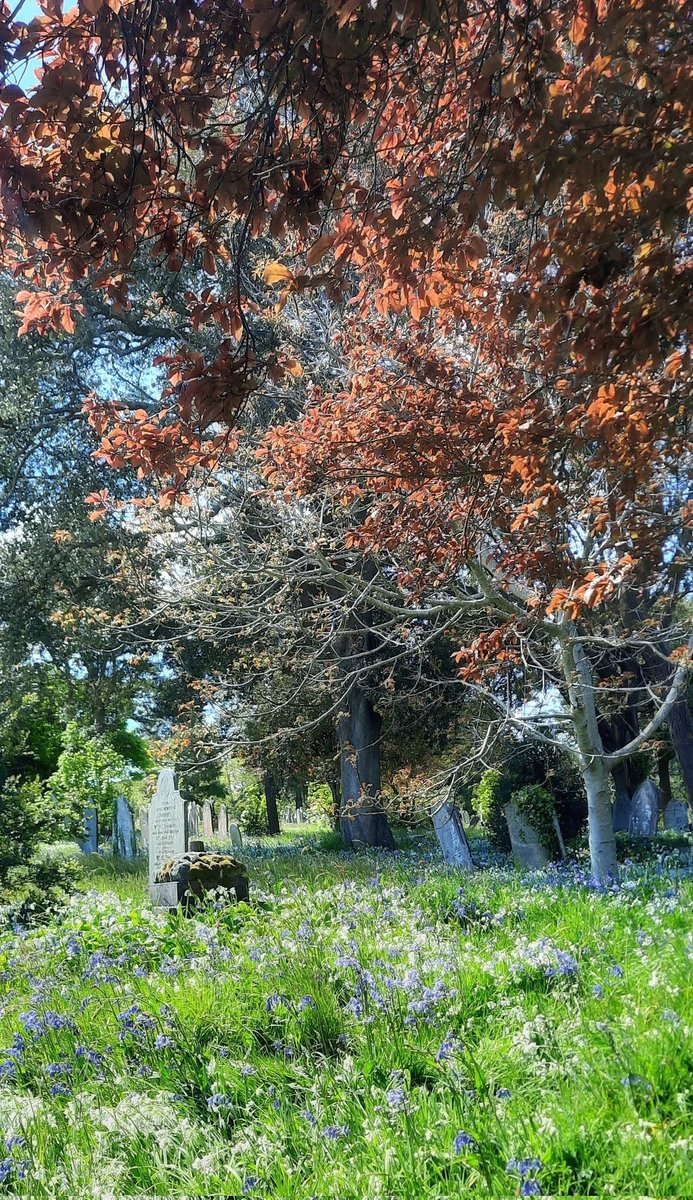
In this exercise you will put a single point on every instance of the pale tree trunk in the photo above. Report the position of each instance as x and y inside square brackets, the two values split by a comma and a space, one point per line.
[447, 823]
[595, 772]
[362, 818]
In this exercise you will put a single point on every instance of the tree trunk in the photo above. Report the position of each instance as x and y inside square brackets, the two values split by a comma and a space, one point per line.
[663, 760]
[336, 792]
[681, 733]
[271, 793]
[451, 836]
[362, 818]
[595, 774]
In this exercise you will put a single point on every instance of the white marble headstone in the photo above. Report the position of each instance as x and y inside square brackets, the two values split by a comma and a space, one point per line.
[235, 834]
[207, 820]
[223, 823]
[167, 823]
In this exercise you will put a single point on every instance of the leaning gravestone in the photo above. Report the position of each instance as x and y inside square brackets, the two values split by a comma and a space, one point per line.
[223, 822]
[144, 826]
[167, 824]
[449, 828]
[124, 840]
[677, 816]
[645, 810]
[235, 834]
[527, 847]
[90, 845]
[207, 820]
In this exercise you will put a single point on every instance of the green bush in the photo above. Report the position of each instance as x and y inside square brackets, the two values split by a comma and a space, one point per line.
[538, 807]
[489, 798]
[20, 822]
[250, 810]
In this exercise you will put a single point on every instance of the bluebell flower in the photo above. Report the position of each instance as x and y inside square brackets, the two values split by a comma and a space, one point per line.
[273, 1002]
[163, 1042]
[464, 1141]
[669, 1014]
[503, 1093]
[525, 1166]
[8, 1069]
[247, 1069]
[59, 1068]
[397, 1098]
[218, 1101]
[60, 1089]
[617, 971]
[308, 1116]
[305, 1002]
[251, 1182]
[449, 1047]
[334, 1132]
[598, 991]
[530, 1187]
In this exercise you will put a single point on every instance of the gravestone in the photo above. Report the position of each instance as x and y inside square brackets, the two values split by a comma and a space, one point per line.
[194, 814]
[447, 823]
[677, 816]
[167, 824]
[223, 825]
[235, 834]
[124, 841]
[288, 815]
[207, 820]
[645, 810]
[90, 845]
[144, 826]
[623, 806]
[528, 849]
[300, 816]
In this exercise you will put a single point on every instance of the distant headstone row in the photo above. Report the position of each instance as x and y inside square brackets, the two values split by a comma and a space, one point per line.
[294, 816]
[639, 814]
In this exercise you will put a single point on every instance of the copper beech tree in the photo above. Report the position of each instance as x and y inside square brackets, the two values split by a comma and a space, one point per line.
[502, 192]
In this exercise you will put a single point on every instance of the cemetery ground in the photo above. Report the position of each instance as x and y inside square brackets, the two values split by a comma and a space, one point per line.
[371, 1025]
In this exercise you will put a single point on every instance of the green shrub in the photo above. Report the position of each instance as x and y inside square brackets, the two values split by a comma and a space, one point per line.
[539, 809]
[250, 810]
[489, 798]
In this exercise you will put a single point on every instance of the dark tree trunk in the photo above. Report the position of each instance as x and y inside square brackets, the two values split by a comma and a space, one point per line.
[362, 818]
[663, 760]
[336, 792]
[681, 733]
[271, 793]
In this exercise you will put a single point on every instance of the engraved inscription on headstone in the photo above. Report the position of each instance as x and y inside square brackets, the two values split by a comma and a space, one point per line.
[167, 823]
[207, 820]
[223, 825]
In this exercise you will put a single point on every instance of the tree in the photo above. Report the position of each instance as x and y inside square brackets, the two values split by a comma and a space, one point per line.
[506, 190]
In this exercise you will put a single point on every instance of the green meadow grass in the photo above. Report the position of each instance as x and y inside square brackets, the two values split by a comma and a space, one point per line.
[371, 1026]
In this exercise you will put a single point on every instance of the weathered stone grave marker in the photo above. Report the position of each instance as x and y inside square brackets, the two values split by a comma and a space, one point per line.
[676, 815]
[167, 824]
[527, 847]
[223, 822]
[124, 841]
[193, 818]
[90, 845]
[235, 834]
[645, 810]
[207, 820]
[449, 828]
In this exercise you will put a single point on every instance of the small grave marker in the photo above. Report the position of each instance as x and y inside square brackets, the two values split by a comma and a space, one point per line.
[90, 845]
[645, 810]
[677, 816]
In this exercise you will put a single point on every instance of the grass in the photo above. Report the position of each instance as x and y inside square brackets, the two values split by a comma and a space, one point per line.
[372, 1027]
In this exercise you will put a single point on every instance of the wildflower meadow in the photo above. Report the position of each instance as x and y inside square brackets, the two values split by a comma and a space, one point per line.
[369, 1026]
